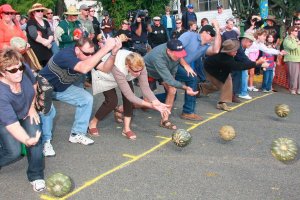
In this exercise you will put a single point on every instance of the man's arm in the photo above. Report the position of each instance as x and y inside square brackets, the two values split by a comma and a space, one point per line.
[215, 47]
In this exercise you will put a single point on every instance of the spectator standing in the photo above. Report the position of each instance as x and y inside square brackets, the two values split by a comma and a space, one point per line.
[127, 44]
[51, 21]
[157, 34]
[179, 29]
[189, 15]
[168, 21]
[107, 25]
[96, 24]
[65, 29]
[39, 34]
[291, 45]
[229, 33]
[86, 24]
[273, 28]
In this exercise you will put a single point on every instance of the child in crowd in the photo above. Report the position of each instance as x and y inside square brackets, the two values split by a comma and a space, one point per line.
[268, 73]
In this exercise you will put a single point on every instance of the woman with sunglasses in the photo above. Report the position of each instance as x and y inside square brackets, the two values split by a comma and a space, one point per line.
[9, 28]
[291, 45]
[127, 66]
[19, 121]
[39, 33]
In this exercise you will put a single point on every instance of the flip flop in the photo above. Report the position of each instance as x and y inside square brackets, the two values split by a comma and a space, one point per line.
[129, 134]
[93, 132]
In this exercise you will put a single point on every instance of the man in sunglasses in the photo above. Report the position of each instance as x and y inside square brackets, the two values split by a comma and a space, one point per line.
[196, 45]
[64, 72]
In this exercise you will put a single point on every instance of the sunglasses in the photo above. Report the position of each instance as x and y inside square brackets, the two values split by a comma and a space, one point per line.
[178, 22]
[136, 71]
[9, 13]
[14, 70]
[39, 11]
[92, 11]
[87, 54]
[49, 13]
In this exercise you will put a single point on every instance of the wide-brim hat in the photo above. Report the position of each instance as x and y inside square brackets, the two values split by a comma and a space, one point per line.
[72, 10]
[230, 45]
[248, 36]
[7, 8]
[271, 18]
[36, 6]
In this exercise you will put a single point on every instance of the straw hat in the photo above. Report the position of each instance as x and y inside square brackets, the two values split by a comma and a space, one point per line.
[248, 36]
[271, 18]
[36, 6]
[230, 45]
[72, 11]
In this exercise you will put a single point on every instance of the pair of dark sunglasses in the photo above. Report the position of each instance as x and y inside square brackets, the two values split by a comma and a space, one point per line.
[14, 70]
[39, 11]
[49, 13]
[86, 53]
[9, 13]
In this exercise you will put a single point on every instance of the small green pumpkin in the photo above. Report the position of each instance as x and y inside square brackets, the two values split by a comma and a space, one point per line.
[181, 137]
[59, 184]
[227, 133]
[282, 110]
[284, 149]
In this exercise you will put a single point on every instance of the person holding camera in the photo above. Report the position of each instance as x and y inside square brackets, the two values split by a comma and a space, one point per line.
[139, 29]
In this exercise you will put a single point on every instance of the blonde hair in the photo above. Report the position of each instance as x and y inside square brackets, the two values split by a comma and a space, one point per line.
[135, 61]
[260, 32]
[9, 57]
[168, 9]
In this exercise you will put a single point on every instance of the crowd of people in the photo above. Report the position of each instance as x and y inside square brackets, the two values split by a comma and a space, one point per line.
[44, 58]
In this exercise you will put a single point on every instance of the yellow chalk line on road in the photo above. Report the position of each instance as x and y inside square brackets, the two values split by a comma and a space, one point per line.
[138, 157]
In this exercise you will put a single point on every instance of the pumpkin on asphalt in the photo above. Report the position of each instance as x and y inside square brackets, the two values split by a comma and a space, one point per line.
[181, 137]
[59, 184]
[282, 110]
[227, 133]
[284, 149]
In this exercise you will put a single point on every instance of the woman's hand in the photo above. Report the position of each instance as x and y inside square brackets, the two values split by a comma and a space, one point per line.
[118, 45]
[190, 71]
[34, 116]
[161, 107]
[33, 140]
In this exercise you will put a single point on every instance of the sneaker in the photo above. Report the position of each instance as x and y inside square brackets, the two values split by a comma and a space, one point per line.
[48, 149]
[38, 185]
[223, 106]
[245, 97]
[80, 139]
[293, 92]
[253, 89]
[298, 92]
[192, 116]
[267, 91]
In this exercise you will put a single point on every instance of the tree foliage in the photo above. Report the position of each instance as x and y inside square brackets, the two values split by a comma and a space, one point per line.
[118, 9]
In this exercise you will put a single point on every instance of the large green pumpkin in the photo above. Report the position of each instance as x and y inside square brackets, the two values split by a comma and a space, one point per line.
[282, 110]
[227, 133]
[59, 184]
[181, 137]
[284, 149]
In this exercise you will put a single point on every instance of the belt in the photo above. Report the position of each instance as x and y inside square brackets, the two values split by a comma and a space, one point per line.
[139, 42]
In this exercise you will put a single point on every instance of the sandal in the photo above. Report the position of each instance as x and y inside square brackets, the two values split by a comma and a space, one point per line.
[168, 125]
[93, 132]
[129, 134]
[118, 115]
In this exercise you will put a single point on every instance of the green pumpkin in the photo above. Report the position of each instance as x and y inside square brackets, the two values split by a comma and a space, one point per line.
[181, 137]
[284, 149]
[227, 133]
[59, 184]
[282, 110]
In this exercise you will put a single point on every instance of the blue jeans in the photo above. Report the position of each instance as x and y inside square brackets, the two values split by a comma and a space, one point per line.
[244, 83]
[267, 80]
[199, 69]
[189, 101]
[83, 101]
[236, 81]
[54, 48]
[10, 150]
[169, 33]
[47, 124]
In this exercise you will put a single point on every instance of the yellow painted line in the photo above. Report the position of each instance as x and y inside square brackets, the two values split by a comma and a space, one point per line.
[129, 156]
[190, 123]
[138, 157]
[210, 113]
[158, 136]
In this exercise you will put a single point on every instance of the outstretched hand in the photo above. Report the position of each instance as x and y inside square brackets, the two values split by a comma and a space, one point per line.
[161, 107]
[33, 140]
[191, 92]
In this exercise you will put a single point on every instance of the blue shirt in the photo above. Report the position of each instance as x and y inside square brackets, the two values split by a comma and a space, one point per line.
[192, 44]
[14, 107]
[60, 69]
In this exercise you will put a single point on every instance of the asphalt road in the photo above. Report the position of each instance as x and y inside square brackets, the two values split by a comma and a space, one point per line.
[152, 167]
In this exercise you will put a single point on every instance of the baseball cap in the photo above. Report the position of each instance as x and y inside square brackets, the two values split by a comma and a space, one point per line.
[176, 46]
[84, 7]
[219, 6]
[190, 6]
[209, 29]
[156, 18]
